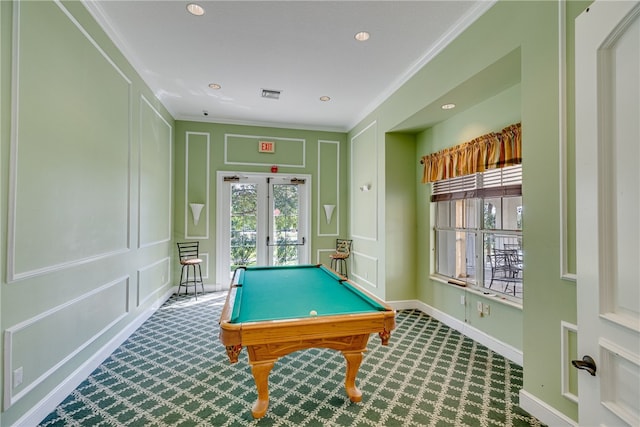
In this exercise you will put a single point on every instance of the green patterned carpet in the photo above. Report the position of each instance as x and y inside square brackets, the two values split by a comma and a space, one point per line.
[173, 371]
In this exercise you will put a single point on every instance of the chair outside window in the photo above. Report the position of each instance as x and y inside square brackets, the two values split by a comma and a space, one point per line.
[340, 256]
[506, 266]
[189, 256]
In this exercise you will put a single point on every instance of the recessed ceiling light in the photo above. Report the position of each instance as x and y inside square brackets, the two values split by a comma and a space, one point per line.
[214, 86]
[325, 98]
[448, 106]
[362, 36]
[195, 9]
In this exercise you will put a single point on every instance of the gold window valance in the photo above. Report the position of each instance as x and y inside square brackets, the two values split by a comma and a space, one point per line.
[491, 151]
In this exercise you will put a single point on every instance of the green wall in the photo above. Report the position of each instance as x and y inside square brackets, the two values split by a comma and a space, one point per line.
[528, 31]
[492, 115]
[400, 215]
[224, 147]
[87, 159]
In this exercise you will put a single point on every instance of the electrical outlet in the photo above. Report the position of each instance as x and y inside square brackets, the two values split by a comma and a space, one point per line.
[480, 307]
[486, 309]
[18, 376]
[462, 300]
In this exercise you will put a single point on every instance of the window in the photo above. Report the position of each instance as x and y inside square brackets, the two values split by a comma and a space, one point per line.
[478, 230]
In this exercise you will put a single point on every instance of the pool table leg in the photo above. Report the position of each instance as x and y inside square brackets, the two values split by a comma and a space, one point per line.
[354, 358]
[260, 371]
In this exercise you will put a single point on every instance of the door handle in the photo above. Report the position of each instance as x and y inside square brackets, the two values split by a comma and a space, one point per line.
[587, 363]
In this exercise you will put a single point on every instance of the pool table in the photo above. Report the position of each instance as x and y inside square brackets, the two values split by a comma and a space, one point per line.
[274, 311]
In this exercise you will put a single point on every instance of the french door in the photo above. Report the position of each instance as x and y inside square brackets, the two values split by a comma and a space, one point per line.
[608, 206]
[263, 219]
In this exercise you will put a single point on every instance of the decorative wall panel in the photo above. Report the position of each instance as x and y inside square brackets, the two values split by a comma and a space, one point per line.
[328, 193]
[42, 344]
[364, 184]
[364, 269]
[197, 175]
[152, 279]
[59, 69]
[155, 176]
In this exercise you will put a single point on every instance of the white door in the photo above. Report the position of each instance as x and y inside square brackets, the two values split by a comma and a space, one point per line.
[608, 211]
[262, 219]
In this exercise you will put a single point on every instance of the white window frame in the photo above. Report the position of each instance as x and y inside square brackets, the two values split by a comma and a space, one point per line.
[466, 188]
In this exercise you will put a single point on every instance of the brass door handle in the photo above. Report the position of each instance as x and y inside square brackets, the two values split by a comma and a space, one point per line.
[587, 363]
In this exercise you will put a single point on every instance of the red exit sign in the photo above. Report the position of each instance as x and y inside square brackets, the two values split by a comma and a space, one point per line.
[266, 147]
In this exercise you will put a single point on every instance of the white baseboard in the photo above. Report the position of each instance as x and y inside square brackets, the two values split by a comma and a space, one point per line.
[492, 343]
[542, 411]
[49, 403]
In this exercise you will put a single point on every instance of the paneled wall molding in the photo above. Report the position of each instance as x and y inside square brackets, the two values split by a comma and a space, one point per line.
[168, 185]
[365, 238]
[371, 206]
[11, 333]
[562, 138]
[319, 253]
[13, 216]
[333, 199]
[15, 277]
[164, 265]
[566, 328]
[360, 273]
[204, 217]
[205, 265]
[250, 139]
[86, 34]
[49, 403]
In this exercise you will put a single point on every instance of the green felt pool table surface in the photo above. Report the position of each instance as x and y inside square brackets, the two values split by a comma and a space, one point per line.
[290, 292]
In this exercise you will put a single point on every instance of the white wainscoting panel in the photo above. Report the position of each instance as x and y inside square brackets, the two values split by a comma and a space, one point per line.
[60, 333]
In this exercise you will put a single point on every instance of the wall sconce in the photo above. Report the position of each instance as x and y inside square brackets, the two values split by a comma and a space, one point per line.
[196, 208]
[328, 212]
[365, 187]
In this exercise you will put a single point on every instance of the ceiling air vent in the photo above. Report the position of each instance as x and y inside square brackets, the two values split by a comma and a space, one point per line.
[271, 94]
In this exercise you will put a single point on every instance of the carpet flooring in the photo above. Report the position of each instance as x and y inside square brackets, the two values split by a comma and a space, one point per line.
[173, 371]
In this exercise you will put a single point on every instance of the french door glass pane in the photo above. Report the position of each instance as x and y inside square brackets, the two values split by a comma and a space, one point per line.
[285, 224]
[244, 212]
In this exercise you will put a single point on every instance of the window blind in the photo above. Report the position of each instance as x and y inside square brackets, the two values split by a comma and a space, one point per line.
[492, 183]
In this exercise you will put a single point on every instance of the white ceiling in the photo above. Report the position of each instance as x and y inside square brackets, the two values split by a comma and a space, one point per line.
[306, 49]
